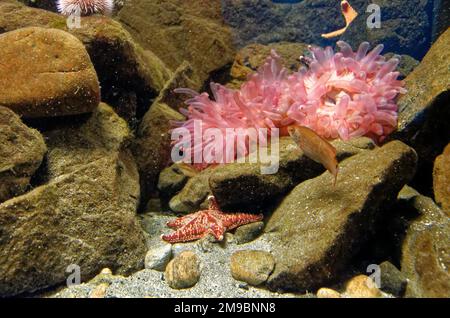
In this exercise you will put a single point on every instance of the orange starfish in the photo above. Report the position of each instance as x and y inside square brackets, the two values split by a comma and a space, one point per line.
[349, 14]
[211, 221]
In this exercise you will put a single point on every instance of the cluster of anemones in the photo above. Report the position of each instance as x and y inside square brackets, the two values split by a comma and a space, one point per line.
[339, 95]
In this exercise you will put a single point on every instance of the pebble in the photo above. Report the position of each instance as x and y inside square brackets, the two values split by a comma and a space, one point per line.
[158, 257]
[183, 271]
[361, 286]
[328, 293]
[99, 291]
[252, 267]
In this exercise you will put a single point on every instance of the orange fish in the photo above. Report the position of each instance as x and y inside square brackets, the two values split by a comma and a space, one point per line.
[349, 14]
[315, 148]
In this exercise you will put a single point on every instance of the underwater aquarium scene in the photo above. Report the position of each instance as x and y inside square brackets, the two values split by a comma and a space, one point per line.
[264, 150]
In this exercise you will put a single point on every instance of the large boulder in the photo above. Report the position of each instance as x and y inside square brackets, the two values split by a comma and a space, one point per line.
[84, 215]
[318, 228]
[45, 73]
[86, 218]
[130, 76]
[182, 30]
[21, 152]
[425, 258]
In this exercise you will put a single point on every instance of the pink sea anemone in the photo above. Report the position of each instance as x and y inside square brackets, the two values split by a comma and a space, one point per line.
[85, 7]
[340, 95]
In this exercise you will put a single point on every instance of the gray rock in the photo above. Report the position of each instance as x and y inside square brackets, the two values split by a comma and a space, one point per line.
[441, 16]
[158, 257]
[252, 267]
[21, 152]
[393, 281]
[59, 81]
[425, 250]
[405, 26]
[183, 271]
[318, 228]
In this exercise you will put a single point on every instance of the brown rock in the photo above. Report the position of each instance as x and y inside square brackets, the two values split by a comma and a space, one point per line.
[318, 228]
[191, 31]
[130, 76]
[86, 217]
[183, 271]
[441, 180]
[361, 286]
[425, 256]
[423, 112]
[21, 152]
[252, 267]
[328, 293]
[46, 72]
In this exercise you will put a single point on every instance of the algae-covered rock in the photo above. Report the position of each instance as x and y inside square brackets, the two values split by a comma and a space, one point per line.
[152, 147]
[45, 73]
[86, 217]
[21, 152]
[236, 183]
[318, 228]
[191, 31]
[425, 259]
[424, 111]
[441, 180]
[85, 140]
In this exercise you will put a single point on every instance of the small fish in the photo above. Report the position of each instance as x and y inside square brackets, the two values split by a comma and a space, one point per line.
[315, 148]
[349, 14]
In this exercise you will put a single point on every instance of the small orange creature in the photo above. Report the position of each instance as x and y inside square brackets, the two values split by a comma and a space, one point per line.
[315, 148]
[349, 14]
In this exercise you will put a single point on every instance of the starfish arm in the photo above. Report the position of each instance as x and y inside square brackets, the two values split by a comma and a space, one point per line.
[197, 228]
[181, 221]
[216, 227]
[234, 220]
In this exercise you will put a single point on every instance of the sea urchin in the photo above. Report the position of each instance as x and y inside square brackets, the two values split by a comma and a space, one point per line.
[85, 7]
